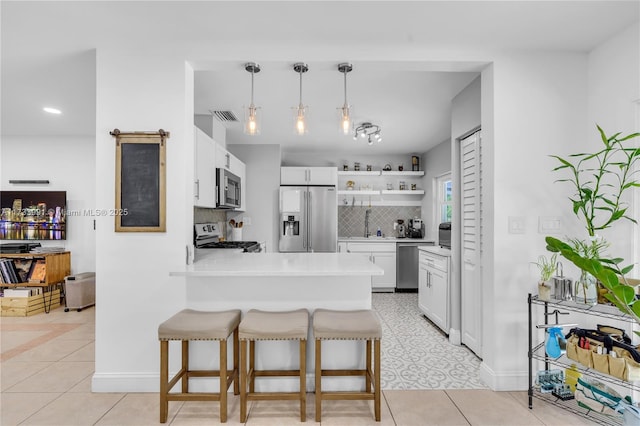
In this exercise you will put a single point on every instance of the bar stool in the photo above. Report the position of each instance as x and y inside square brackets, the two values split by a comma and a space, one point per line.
[348, 325]
[264, 325]
[188, 325]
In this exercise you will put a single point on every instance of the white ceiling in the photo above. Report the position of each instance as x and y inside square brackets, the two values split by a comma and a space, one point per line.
[48, 58]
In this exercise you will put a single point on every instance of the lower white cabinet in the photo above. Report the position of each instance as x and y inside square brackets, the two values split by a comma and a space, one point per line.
[383, 255]
[434, 287]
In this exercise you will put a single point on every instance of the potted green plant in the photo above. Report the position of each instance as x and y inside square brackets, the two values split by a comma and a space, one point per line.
[547, 268]
[600, 180]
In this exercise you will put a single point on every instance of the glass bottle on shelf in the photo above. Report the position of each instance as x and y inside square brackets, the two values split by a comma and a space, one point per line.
[586, 291]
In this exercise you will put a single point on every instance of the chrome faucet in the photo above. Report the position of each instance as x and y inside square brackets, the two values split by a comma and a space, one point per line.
[367, 234]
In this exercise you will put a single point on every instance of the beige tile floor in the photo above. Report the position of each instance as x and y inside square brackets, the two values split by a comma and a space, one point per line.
[46, 364]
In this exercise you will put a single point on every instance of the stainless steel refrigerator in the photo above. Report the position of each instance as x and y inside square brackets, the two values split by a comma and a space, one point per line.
[308, 219]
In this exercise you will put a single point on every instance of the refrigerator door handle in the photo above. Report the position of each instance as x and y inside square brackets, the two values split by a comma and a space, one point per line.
[306, 225]
[309, 221]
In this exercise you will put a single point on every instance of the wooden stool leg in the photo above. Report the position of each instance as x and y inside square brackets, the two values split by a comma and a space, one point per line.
[185, 366]
[252, 366]
[377, 379]
[164, 380]
[243, 381]
[303, 380]
[367, 380]
[236, 363]
[318, 379]
[223, 381]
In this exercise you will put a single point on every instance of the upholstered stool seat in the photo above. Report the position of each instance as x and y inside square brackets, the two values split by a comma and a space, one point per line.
[188, 325]
[264, 325]
[348, 325]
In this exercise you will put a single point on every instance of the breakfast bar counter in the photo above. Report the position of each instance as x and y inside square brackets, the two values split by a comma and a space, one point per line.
[217, 264]
[279, 282]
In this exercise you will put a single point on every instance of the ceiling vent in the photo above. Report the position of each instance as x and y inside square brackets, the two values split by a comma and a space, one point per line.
[225, 116]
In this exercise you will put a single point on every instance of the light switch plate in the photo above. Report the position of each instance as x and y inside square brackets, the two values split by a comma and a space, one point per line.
[517, 224]
[549, 225]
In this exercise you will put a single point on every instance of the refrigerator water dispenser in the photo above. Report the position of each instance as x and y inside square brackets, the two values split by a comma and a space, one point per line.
[290, 225]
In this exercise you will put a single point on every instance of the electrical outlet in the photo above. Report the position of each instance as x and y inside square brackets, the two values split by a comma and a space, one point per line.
[517, 225]
[246, 220]
[549, 225]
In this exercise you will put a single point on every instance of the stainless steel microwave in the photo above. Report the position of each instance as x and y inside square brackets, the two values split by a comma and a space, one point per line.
[227, 189]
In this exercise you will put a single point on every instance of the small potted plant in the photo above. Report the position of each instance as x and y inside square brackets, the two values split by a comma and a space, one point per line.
[547, 267]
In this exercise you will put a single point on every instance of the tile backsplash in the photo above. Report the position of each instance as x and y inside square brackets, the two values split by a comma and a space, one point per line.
[351, 219]
[205, 215]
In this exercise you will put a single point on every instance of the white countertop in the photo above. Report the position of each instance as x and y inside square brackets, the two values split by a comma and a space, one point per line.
[385, 240]
[280, 264]
[436, 250]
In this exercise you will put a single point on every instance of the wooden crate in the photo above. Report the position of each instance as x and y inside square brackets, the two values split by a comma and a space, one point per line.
[27, 306]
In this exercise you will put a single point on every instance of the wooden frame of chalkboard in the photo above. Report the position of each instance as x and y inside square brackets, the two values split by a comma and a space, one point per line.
[140, 181]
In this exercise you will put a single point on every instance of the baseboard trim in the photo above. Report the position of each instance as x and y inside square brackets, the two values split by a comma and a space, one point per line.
[507, 381]
[455, 337]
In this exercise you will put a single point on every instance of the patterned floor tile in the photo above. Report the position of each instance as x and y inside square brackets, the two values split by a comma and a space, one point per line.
[417, 355]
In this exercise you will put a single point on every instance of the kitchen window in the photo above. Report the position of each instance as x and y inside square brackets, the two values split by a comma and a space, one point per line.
[444, 197]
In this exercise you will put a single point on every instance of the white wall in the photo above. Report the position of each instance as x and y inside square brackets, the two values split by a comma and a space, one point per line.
[69, 164]
[262, 193]
[539, 108]
[614, 94]
[134, 290]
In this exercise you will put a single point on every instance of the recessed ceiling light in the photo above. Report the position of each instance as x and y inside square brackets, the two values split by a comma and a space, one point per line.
[52, 110]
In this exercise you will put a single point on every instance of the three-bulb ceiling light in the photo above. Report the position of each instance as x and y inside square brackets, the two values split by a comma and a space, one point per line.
[368, 130]
[345, 110]
[251, 117]
[301, 111]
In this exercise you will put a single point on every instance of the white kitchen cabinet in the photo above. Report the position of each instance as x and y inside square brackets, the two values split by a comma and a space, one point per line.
[205, 170]
[308, 176]
[434, 288]
[383, 255]
[228, 161]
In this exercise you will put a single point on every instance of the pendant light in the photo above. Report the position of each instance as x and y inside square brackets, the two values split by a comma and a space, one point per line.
[345, 111]
[251, 117]
[301, 111]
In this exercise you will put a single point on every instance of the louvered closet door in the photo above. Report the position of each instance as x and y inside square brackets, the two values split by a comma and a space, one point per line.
[471, 283]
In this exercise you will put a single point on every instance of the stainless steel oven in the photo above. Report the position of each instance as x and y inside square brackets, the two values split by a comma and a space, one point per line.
[227, 189]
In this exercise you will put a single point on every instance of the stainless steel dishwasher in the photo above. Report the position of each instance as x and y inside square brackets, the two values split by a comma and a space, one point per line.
[407, 265]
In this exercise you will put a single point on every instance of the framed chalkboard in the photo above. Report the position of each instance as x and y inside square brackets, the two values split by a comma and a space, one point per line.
[140, 181]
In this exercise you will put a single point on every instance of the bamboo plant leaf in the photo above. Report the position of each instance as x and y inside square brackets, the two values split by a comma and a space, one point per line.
[626, 270]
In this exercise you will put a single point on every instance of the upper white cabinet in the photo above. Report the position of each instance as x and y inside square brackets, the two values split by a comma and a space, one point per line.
[228, 161]
[308, 176]
[205, 170]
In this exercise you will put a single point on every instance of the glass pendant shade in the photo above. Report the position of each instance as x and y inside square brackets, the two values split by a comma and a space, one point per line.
[300, 117]
[345, 112]
[251, 116]
[301, 112]
[252, 120]
[345, 121]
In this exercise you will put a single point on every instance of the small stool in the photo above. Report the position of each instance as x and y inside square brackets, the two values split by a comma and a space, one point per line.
[188, 325]
[263, 325]
[348, 325]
